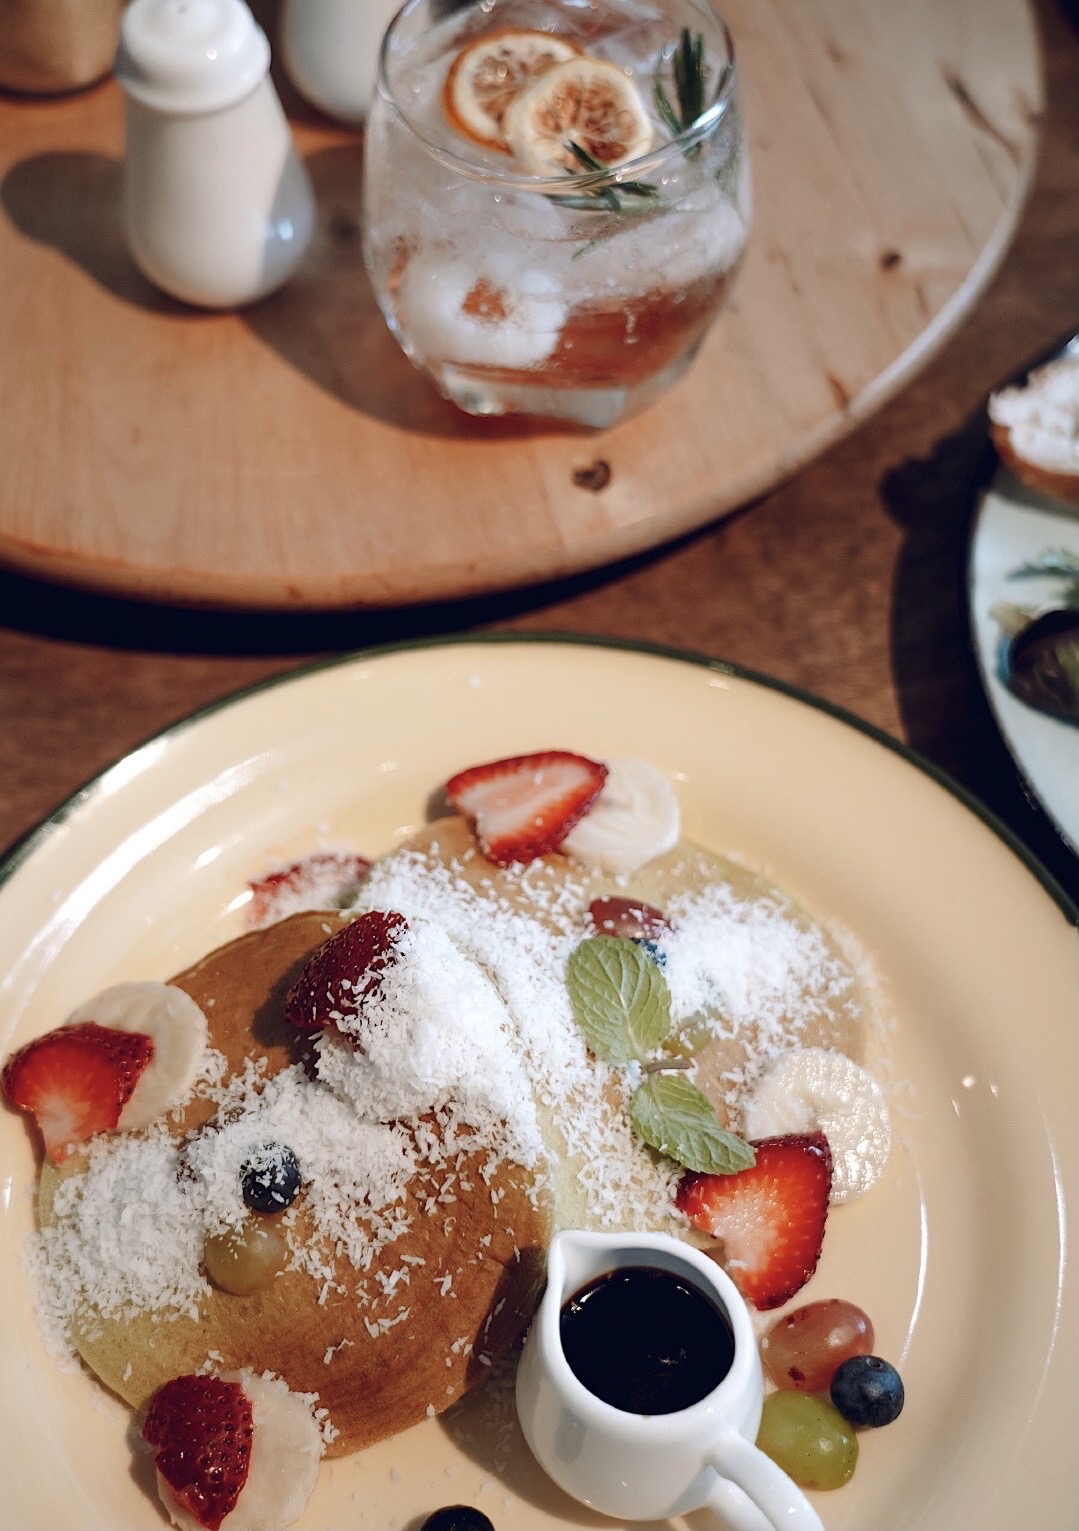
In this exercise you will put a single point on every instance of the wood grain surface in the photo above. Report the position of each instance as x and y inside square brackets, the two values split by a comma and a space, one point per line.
[288, 456]
[847, 580]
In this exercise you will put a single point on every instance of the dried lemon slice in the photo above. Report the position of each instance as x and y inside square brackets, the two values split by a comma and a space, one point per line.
[487, 75]
[586, 102]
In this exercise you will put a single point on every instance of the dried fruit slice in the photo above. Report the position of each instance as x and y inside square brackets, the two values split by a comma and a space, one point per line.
[586, 102]
[486, 76]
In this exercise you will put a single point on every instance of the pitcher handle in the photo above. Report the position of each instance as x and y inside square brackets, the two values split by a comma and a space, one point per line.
[775, 1502]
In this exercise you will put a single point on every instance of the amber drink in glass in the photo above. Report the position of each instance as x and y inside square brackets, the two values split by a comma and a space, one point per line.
[556, 198]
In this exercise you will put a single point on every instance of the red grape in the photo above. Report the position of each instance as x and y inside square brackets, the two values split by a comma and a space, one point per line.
[627, 917]
[803, 1349]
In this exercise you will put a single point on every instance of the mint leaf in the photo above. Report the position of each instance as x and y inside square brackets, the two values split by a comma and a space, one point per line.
[620, 998]
[676, 1119]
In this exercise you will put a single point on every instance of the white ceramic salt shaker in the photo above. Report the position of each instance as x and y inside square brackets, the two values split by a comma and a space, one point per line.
[217, 204]
[330, 52]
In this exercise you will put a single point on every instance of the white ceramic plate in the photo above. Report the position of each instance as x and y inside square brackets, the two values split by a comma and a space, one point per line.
[1013, 527]
[959, 1255]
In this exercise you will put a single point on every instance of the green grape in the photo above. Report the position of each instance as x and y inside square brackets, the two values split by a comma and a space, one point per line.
[693, 1035]
[809, 1439]
[243, 1262]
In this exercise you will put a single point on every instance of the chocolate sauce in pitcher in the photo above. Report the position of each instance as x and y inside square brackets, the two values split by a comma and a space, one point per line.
[646, 1340]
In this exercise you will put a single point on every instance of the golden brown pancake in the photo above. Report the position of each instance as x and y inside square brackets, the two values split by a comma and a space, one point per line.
[488, 1254]
[372, 1385]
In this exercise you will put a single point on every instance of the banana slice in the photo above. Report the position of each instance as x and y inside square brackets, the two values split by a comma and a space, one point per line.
[814, 1090]
[584, 102]
[486, 76]
[635, 818]
[176, 1026]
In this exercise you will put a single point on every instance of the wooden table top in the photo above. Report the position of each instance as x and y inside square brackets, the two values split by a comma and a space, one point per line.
[288, 455]
[846, 581]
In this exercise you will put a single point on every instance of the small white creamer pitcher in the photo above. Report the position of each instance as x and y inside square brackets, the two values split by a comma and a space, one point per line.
[648, 1466]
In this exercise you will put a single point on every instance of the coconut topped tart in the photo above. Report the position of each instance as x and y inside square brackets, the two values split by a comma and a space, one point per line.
[318, 1171]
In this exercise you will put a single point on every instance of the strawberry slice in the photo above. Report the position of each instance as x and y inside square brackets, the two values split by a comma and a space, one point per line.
[629, 917]
[201, 1429]
[323, 880]
[770, 1219]
[76, 1080]
[333, 983]
[526, 805]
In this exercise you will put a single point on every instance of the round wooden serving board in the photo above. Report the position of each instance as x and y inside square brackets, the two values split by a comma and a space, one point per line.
[288, 456]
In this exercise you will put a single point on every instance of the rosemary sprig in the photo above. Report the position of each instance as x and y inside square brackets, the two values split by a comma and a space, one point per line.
[688, 69]
[608, 196]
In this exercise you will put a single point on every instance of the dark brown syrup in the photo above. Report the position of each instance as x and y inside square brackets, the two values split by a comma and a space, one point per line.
[646, 1341]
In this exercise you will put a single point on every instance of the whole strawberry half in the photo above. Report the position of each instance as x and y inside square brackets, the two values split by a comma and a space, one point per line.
[770, 1218]
[525, 806]
[75, 1081]
[201, 1429]
[345, 969]
[323, 880]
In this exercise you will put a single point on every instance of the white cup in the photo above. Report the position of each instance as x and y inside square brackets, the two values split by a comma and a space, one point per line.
[652, 1466]
[330, 52]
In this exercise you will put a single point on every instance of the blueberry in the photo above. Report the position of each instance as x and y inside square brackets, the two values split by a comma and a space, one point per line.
[457, 1517]
[867, 1391]
[658, 956]
[270, 1178]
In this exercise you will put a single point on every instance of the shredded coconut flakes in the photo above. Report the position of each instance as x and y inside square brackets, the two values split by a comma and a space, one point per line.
[469, 1043]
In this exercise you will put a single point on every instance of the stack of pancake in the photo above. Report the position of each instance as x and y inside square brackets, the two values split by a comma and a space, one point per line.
[477, 1263]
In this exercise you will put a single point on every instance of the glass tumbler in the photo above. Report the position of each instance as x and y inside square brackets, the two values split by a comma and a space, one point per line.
[521, 265]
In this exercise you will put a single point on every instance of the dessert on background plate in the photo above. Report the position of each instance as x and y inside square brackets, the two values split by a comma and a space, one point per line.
[360, 1125]
[1035, 426]
[1023, 582]
[1035, 429]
